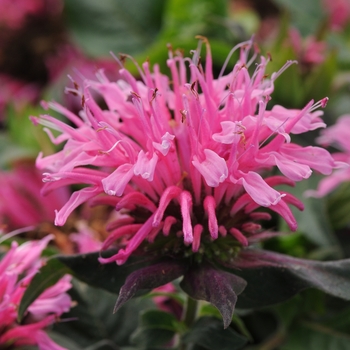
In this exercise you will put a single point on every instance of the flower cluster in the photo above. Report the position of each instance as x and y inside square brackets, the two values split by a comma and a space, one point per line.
[191, 156]
[17, 269]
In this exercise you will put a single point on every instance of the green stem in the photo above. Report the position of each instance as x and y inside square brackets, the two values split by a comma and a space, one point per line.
[190, 312]
[189, 316]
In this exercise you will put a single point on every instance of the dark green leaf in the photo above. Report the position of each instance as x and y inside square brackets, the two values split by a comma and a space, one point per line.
[203, 282]
[156, 328]
[313, 336]
[64, 341]
[273, 278]
[338, 204]
[148, 278]
[114, 25]
[47, 276]
[110, 277]
[207, 332]
[92, 320]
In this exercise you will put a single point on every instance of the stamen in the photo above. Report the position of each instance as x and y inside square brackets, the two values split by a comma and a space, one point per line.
[239, 236]
[321, 103]
[133, 199]
[168, 222]
[275, 75]
[223, 231]
[15, 233]
[197, 232]
[209, 207]
[186, 209]
[168, 195]
[244, 43]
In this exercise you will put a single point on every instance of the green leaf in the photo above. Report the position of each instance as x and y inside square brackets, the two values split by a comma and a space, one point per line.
[47, 276]
[114, 25]
[24, 133]
[64, 341]
[10, 151]
[182, 21]
[318, 83]
[307, 16]
[313, 220]
[156, 328]
[208, 333]
[313, 336]
[185, 19]
[338, 204]
[110, 277]
[272, 278]
[203, 282]
[93, 322]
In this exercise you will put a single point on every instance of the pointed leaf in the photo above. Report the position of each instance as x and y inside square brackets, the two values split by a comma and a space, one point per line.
[218, 287]
[148, 278]
[156, 328]
[110, 277]
[47, 276]
[273, 277]
[208, 333]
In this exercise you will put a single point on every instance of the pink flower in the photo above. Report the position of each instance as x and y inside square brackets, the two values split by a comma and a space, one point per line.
[166, 302]
[13, 13]
[17, 268]
[22, 91]
[21, 203]
[85, 239]
[190, 156]
[339, 13]
[308, 51]
[338, 136]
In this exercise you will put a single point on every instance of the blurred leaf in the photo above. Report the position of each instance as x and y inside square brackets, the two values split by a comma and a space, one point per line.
[340, 42]
[182, 21]
[338, 204]
[64, 341]
[272, 278]
[47, 276]
[318, 83]
[313, 336]
[313, 220]
[147, 278]
[208, 333]
[203, 282]
[289, 95]
[156, 328]
[24, 133]
[10, 152]
[114, 25]
[92, 322]
[306, 16]
[185, 19]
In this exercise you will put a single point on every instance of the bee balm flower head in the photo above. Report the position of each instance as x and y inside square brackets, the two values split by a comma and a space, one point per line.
[187, 158]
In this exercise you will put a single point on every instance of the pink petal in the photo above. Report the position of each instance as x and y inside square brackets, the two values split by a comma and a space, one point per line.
[213, 169]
